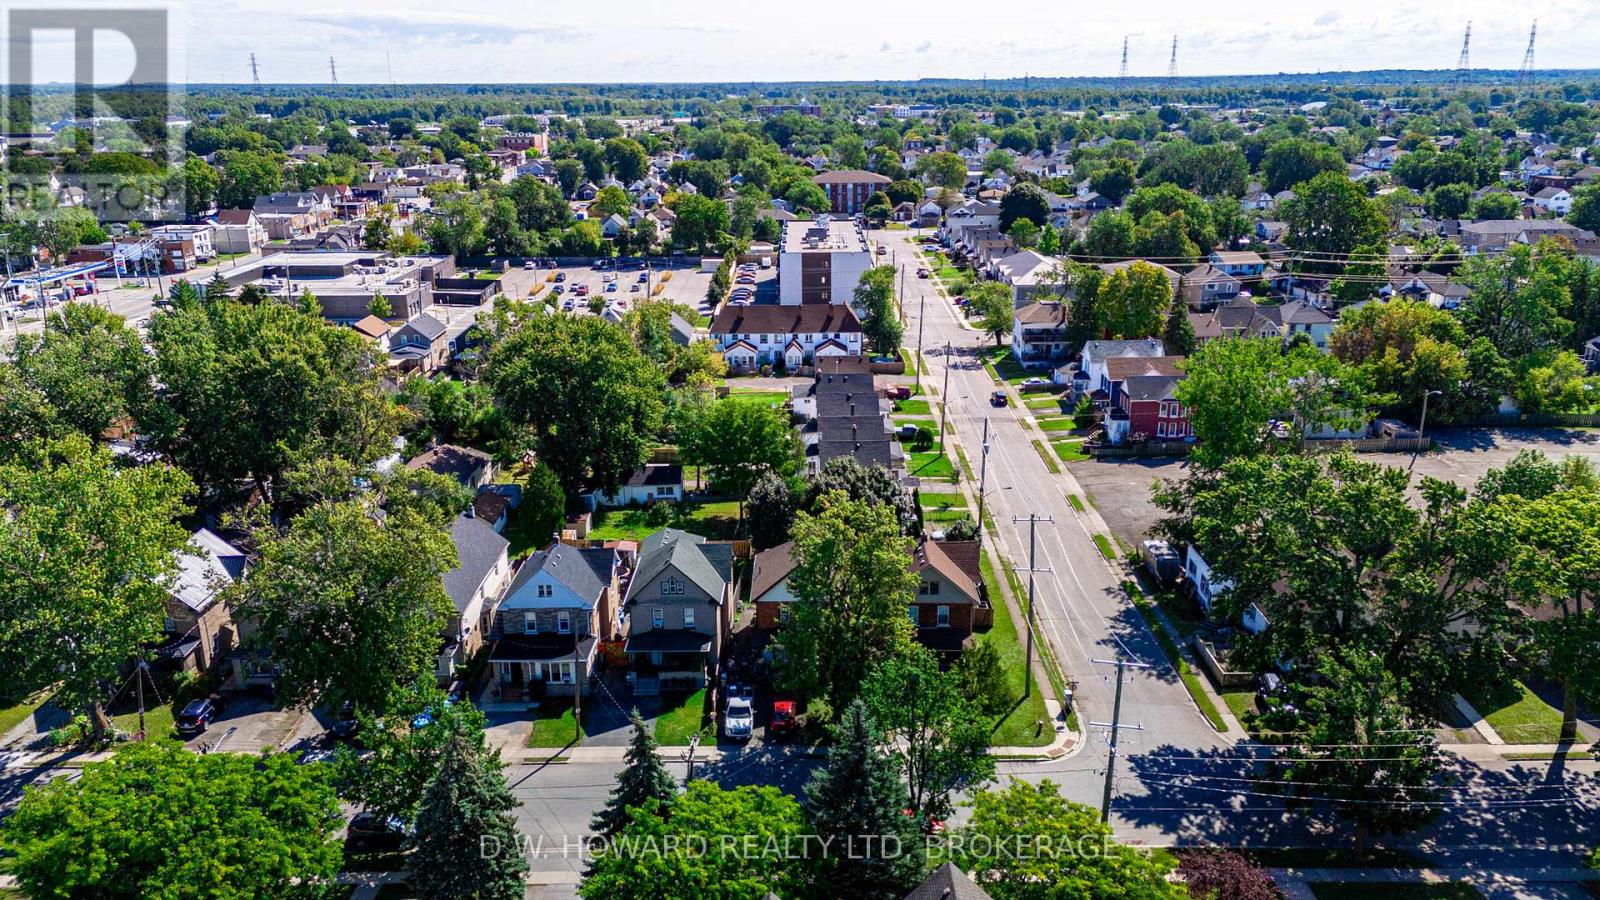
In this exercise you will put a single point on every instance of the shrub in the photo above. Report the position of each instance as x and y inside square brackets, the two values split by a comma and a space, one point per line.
[983, 680]
[657, 514]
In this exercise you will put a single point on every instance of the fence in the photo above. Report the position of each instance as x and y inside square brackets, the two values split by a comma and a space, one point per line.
[1540, 420]
[1329, 445]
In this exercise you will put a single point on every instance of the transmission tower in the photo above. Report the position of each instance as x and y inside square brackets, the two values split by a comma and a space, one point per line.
[333, 73]
[1122, 73]
[255, 71]
[1525, 74]
[1464, 64]
[1172, 65]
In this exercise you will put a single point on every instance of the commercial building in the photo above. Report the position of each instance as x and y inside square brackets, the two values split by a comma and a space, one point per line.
[821, 260]
[345, 283]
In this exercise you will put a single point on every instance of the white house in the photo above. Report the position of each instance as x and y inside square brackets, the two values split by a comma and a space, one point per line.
[1208, 589]
[1554, 200]
[648, 484]
[752, 336]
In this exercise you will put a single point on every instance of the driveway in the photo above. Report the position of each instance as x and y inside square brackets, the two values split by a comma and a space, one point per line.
[249, 724]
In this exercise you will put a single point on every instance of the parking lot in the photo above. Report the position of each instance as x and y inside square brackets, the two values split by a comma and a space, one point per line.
[1120, 488]
[684, 284]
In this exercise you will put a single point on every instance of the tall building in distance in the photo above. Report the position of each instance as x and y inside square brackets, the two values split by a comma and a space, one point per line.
[848, 189]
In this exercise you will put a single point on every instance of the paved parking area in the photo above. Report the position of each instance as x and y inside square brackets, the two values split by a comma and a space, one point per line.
[684, 284]
[1121, 487]
[249, 724]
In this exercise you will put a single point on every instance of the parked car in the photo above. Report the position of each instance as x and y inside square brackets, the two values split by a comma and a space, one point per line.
[609, 277]
[611, 288]
[738, 717]
[644, 276]
[529, 265]
[784, 721]
[882, 250]
[372, 833]
[195, 717]
[346, 726]
[560, 277]
[1034, 383]
[1269, 685]
[636, 288]
[922, 273]
[999, 398]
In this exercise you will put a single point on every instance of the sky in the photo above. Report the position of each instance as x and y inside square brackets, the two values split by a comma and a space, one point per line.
[722, 40]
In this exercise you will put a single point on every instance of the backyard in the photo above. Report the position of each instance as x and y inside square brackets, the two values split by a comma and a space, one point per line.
[717, 520]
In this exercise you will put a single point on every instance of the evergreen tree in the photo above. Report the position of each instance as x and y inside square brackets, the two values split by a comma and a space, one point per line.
[1178, 334]
[466, 836]
[182, 292]
[644, 778]
[857, 800]
[217, 289]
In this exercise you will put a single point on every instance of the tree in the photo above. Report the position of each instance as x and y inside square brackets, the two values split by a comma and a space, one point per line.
[200, 183]
[880, 321]
[1585, 212]
[217, 289]
[1518, 298]
[1292, 161]
[466, 836]
[701, 221]
[611, 200]
[943, 169]
[1173, 202]
[722, 821]
[1024, 234]
[600, 441]
[1361, 745]
[982, 677]
[627, 159]
[878, 209]
[1110, 236]
[857, 803]
[1160, 236]
[1115, 181]
[992, 303]
[1177, 336]
[1225, 875]
[643, 779]
[246, 175]
[569, 175]
[75, 517]
[1234, 387]
[1135, 300]
[127, 828]
[87, 365]
[1497, 205]
[937, 734]
[873, 484]
[1025, 201]
[738, 442]
[403, 745]
[244, 392]
[1449, 201]
[853, 583]
[356, 630]
[1555, 567]
[1329, 218]
[770, 508]
[1068, 868]
[544, 503]
[1409, 349]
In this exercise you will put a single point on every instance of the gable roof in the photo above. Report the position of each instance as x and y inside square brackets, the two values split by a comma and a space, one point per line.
[928, 554]
[689, 554]
[1121, 367]
[947, 883]
[1043, 313]
[772, 566]
[655, 474]
[205, 566]
[1296, 312]
[577, 570]
[478, 549]
[371, 326]
[1096, 351]
[850, 176]
[425, 325]
[807, 318]
[234, 217]
[450, 459]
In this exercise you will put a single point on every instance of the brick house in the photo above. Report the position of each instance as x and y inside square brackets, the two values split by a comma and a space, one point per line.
[561, 605]
[1143, 401]
[848, 189]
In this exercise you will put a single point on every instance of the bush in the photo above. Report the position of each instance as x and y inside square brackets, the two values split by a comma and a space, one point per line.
[983, 680]
[1225, 875]
[923, 440]
[1083, 413]
[658, 514]
[963, 529]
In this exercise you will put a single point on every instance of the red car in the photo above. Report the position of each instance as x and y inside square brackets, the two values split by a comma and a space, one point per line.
[783, 719]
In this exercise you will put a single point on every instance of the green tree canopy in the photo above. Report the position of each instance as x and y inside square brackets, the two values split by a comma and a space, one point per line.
[466, 836]
[874, 298]
[937, 733]
[644, 778]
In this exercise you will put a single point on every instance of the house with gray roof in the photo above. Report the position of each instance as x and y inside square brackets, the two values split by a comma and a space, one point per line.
[1089, 373]
[474, 586]
[199, 627]
[562, 603]
[679, 606]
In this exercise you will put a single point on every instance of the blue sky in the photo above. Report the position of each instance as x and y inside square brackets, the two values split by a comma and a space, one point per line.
[717, 40]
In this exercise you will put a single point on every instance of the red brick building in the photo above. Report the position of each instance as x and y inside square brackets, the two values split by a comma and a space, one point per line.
[848, 189]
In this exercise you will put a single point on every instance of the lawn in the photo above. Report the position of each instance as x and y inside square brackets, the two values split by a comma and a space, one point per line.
[553, 724]
[1241, 702]
[1190, 679]
[676, 725]
[1056, 423]
[1414, 891]
[1104, 544]
[944, 516]
[1077, 504]
[1070, 450]
[910, 360]
[158, 719]
[1006, 366]
[770, 398]
[712, 520]
[1044, 402]
[1520, 717]
[11, 718]
[913, 408]
[931, 464]
[1049, 460]
[1020, 727]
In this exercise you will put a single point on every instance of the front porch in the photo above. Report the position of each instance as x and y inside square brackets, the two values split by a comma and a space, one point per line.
[668, 660]
[526, 667]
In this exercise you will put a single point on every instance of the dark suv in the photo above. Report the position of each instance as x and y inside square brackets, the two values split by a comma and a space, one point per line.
[195, 717]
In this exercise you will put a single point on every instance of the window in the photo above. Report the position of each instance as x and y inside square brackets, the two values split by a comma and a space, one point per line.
[546, 590]
[672, 586]
[563, 622]
[928, 589]
[530, 623]
[657, 617]
[688, 617]
[914, 615]
[942, 616]
[170, 625]
[785, 614]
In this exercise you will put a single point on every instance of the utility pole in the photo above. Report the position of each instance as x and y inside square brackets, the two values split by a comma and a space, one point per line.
[139, 685]
[688, 755]
[983, 475]
[1033, 520]
[577, 689]
[944, 397]
[1115, 725]
[922, 323]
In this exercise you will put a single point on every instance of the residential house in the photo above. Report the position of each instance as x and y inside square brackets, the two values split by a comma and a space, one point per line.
[754, 336]
[199, 629]
[421, 346]
[1591, 355]
[971, 214]
[1495, 235]
[291, 214]
[1088, 374]
[1238, 263]
[842, 414]
[1300, 317]
[1141, 399]
[1205, 286]
[1208, 587]
[238, 231]
[1039, 333]
[474, 585]
[679, 606]
[651, 483]
[947, 882]
[1238, 317]
[562, 604]
[848, 189]
[373, 329]
[1026, 273]
[472, 468]
[1553, 201]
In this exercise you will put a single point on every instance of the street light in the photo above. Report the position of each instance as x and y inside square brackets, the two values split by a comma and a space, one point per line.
[1422, 427]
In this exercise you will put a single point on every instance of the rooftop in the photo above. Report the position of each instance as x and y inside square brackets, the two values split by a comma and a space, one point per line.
[823, 234]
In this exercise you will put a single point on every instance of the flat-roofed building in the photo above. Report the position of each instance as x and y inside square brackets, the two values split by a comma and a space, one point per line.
[821, 260]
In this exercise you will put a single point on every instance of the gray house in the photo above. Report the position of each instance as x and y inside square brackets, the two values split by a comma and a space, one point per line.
[562, 603]
[474, 586]
[679, 608]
